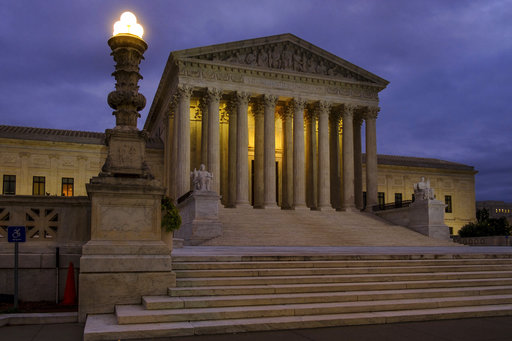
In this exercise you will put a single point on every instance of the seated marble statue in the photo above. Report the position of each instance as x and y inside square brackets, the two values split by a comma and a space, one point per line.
[201, 179]
[423, 191]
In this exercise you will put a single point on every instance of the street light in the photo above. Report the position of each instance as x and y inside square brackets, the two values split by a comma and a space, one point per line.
[127, 49]
[126, 144]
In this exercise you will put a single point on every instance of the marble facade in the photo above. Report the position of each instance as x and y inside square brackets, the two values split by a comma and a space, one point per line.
[264, 100]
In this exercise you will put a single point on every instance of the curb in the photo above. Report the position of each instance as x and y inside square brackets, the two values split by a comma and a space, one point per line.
[38, 318]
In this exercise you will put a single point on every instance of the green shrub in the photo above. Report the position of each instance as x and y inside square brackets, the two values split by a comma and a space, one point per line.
[171, 219]
[486, 226]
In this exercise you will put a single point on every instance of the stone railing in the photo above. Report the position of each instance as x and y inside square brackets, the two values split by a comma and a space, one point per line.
[57, 227]
[484, 241]
[47, 218]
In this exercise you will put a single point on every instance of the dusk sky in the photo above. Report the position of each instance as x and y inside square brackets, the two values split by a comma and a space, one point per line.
[449, 64]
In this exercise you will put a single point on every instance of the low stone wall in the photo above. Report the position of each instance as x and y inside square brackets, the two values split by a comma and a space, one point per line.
[398, 216]
[484, 241]
[51, 222]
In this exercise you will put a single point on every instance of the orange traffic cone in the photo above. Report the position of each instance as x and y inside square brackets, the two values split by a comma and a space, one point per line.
[70, 291]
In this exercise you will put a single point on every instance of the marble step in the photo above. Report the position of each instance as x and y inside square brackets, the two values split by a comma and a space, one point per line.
[300, 257]
[332, 287]
[338, 271]
[268, 280]
[167, 302]
[334, 264]
[136, 314]
[104, 326]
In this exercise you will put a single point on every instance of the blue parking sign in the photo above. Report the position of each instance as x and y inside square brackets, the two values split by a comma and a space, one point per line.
[16, 234]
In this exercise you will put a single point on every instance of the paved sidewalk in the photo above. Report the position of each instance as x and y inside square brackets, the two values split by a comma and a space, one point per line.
[476, 329]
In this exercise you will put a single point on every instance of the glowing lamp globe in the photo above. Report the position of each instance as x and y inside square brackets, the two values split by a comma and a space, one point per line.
[128, 25]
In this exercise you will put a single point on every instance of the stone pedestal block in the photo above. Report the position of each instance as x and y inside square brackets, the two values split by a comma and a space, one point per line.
[125, 258]
[427, 217]
[199, 217]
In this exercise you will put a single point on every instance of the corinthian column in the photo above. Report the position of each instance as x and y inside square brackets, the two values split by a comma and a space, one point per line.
[182, 133]
[269, 153]
[286, 115]
[358, 164]
[231, 190]
[299, 164]
[213, 154]
[324, 190]
[203, 106]
[242, 150]
[334, 151]
[371, 158]
[311, 164]
[348, 158]
[258, 154]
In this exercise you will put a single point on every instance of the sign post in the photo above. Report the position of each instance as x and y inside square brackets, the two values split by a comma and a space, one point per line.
[16, 234]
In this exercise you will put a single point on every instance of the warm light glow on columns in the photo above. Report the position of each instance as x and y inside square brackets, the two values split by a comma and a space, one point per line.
[335, 158]
[348, 158]
[286, 114]
[242, 147]
[182, 132]
[371, 158]
[324, 190]
[269, 152]
[213, 153]
[299, 174]
[203, 106]
[258, 154]
[233, 118]
[311, 164]
[358, 163]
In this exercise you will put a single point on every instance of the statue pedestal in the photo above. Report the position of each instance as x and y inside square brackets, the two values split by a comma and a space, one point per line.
[199, 218]
[125, 258]
[427, 217]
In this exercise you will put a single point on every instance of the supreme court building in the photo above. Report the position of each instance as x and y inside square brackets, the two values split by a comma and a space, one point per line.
[277, 120]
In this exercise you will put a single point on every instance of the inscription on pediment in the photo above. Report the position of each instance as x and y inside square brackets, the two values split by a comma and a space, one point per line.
[283, 56]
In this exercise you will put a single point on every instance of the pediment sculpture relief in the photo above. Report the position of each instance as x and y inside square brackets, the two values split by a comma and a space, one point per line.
[287, 56]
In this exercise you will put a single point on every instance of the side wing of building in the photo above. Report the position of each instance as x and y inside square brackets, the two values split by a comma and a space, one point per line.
[36, 161]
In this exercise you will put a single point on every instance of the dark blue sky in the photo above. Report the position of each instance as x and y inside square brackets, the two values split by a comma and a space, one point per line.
[449, 64]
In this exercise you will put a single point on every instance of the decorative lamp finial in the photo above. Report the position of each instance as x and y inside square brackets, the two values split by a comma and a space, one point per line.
[128, 25]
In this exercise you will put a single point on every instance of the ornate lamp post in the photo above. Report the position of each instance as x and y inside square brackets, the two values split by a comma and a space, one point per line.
[125, 258]
[126, 143]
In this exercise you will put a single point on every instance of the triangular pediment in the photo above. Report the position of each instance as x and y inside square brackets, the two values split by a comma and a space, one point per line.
[284, 53]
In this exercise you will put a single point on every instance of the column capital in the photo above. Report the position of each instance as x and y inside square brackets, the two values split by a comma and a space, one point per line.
[298, 104]
[242, 97]
[358, 120]
[213, 94]
[257, 108]
[203, 104]
[285, 112]
[349, 110]
[310, 115]
[269, 100]
[184, 90]
[323, 108]
[336, 114]
[371, 113]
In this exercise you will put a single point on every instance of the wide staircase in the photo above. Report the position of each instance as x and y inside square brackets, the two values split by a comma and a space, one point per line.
[274, 227]
[231, 294]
